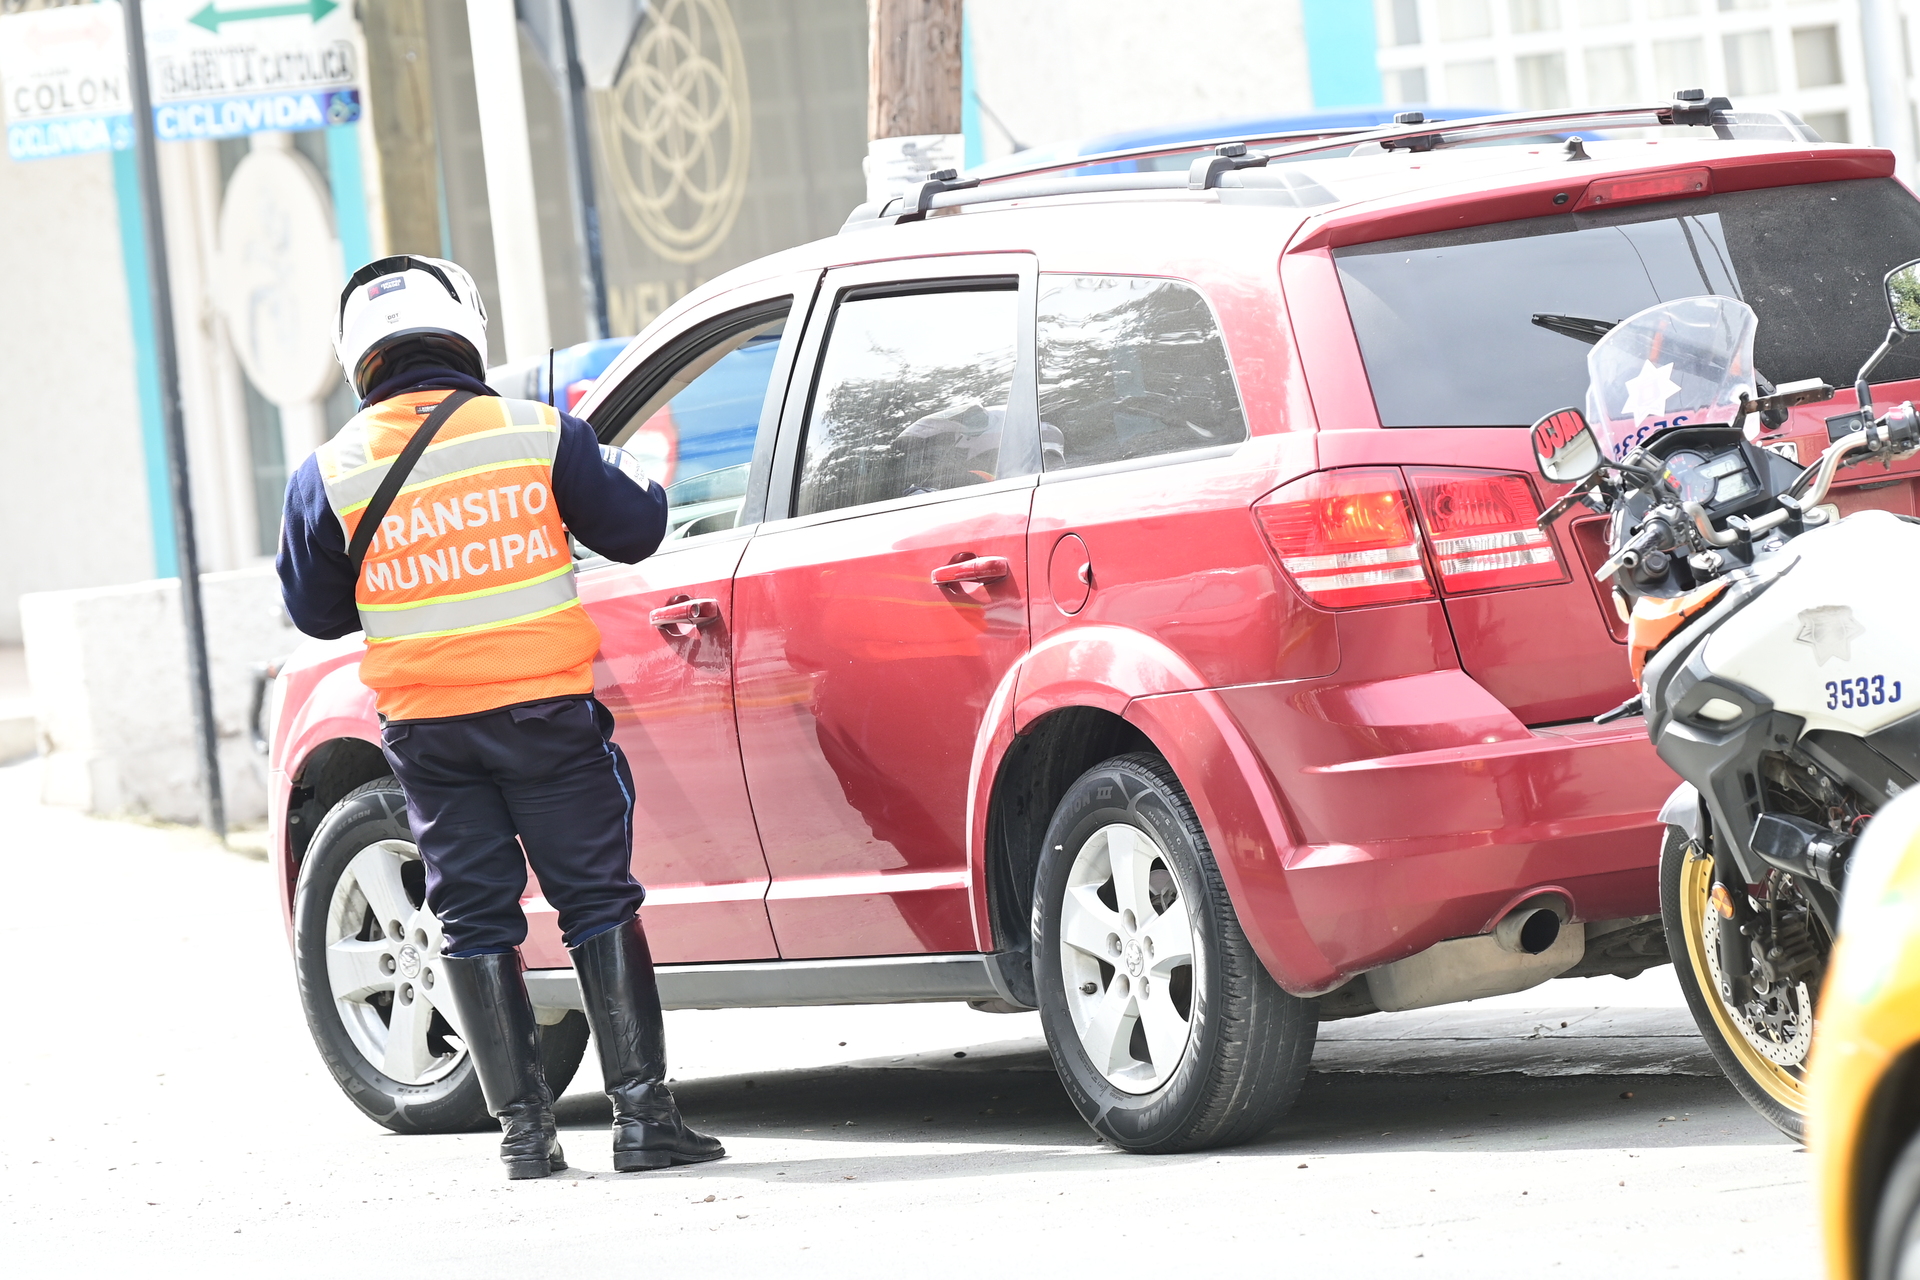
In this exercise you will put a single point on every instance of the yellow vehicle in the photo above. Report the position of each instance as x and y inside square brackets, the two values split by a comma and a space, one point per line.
[1864, 1085]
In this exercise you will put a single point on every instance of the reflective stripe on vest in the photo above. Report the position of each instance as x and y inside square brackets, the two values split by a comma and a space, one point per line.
[445, 461]
[474, 611]
[472, 543]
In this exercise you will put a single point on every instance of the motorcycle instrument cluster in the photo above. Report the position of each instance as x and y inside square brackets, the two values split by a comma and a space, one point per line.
[1721, 482]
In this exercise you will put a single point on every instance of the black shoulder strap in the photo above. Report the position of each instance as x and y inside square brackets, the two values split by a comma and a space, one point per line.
[396, 476]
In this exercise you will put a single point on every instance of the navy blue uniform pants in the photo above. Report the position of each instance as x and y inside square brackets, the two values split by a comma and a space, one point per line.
[543, 776]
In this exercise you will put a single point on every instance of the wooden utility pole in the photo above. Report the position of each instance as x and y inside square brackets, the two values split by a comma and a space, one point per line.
[400, 102]
[913, 67]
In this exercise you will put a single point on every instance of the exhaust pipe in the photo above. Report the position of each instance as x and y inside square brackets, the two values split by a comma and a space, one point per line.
[1535, 941]
[1529, 929]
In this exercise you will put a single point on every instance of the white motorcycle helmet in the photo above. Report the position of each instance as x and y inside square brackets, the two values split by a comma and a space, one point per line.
[413, 304]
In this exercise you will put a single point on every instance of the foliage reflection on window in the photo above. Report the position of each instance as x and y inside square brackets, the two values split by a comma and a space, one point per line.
[1130, 367]
[910, 399]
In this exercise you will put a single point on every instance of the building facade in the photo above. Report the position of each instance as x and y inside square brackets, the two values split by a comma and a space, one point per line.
[636, 150]
[1806, 56]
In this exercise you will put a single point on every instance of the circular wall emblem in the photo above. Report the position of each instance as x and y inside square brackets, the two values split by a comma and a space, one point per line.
[409, 961]
[676, 131]
[277, 276]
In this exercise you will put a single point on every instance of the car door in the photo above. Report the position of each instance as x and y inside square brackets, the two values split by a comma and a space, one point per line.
[700, 412]
[884, 599]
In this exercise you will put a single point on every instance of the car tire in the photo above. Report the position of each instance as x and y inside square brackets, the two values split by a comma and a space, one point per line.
[364, 949]
[1777, 1092]
[1894, 1239]
[1140, 961]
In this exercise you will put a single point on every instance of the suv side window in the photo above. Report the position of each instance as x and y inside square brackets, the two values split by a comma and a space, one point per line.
[695, 434]
[912, 391]
[1130, 367]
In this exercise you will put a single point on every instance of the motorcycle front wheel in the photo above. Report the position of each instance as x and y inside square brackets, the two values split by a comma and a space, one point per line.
[1762, 1048]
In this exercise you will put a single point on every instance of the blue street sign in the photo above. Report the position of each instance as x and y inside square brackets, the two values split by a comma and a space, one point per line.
[235, 117]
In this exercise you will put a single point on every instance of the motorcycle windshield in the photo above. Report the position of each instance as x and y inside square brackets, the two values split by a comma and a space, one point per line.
[1680, 363]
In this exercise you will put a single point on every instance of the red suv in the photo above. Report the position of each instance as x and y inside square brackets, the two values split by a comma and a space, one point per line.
[1116, 591]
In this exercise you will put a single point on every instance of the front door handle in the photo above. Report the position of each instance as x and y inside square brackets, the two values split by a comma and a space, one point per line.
[696, 613]
[978, 569]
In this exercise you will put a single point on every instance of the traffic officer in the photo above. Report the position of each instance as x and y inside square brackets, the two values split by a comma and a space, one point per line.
[436, 522]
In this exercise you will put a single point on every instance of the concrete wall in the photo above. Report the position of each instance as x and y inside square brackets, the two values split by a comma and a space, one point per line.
[73, 498]
[1072, 68]
[107, 667]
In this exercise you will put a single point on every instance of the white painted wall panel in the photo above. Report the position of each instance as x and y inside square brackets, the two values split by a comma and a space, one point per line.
[73, 501]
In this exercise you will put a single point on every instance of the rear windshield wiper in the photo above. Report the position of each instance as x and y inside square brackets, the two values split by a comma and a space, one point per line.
[1581, 327]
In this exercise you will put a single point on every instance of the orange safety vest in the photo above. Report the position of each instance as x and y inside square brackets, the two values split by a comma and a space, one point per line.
[466, 595]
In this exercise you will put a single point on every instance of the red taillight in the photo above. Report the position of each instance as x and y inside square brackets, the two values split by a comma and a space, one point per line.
[1650, 186]
[1480, 526]
[1347, 537]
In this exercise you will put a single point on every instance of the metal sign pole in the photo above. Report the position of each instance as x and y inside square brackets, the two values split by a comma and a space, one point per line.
[578, 111]
[167, 358]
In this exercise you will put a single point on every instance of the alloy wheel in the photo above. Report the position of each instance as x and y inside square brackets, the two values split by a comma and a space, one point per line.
[383, 966]
[1126, 956]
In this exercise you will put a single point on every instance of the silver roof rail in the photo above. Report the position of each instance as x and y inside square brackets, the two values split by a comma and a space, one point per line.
[1231, 158]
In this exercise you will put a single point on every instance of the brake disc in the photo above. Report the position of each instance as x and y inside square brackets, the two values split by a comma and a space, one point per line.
[1779, 1024]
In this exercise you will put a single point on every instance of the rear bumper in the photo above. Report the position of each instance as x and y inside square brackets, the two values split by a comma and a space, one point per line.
[1339, 865]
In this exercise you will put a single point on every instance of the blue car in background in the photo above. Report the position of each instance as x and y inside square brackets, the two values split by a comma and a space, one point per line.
[1201, 133]
[698, 444]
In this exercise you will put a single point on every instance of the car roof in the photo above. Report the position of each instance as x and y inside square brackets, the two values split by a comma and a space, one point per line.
[1323, 191]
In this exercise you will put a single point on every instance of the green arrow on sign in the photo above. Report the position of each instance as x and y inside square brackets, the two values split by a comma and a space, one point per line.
[213, 18]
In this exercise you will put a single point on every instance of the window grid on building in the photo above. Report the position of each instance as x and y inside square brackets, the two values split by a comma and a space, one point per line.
[1801, 55]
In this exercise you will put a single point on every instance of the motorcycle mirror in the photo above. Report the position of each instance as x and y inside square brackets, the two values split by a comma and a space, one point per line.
[1903, 296]
[1564, 447]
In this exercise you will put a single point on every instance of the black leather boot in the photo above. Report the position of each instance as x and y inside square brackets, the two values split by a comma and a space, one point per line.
[497, 1018]
[623, 1006]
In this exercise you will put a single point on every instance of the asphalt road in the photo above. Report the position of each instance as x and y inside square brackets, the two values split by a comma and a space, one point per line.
[167, 1113]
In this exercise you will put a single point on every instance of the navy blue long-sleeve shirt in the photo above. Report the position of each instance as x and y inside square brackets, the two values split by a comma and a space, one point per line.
[600, 504]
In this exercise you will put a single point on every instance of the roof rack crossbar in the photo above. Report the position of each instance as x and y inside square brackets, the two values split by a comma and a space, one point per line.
[1158, 149]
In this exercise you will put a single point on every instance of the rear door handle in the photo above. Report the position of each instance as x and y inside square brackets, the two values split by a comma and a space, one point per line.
[687, 612]
[978, 569]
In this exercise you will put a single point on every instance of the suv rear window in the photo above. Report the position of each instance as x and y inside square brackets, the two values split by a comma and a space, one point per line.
[1445, 321]
[1130, 367]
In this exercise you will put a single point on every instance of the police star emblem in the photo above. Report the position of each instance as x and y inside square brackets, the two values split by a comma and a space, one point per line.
[1648, 392]
[1829, 631]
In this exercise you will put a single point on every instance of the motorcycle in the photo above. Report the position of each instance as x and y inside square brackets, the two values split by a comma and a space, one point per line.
[1773, 642]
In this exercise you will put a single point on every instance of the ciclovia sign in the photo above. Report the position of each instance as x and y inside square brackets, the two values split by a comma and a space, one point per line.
[218, 69]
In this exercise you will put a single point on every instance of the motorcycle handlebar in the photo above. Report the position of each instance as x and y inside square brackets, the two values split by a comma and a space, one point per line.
[1642, 541]
[1896, 433]
[1830, 463]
